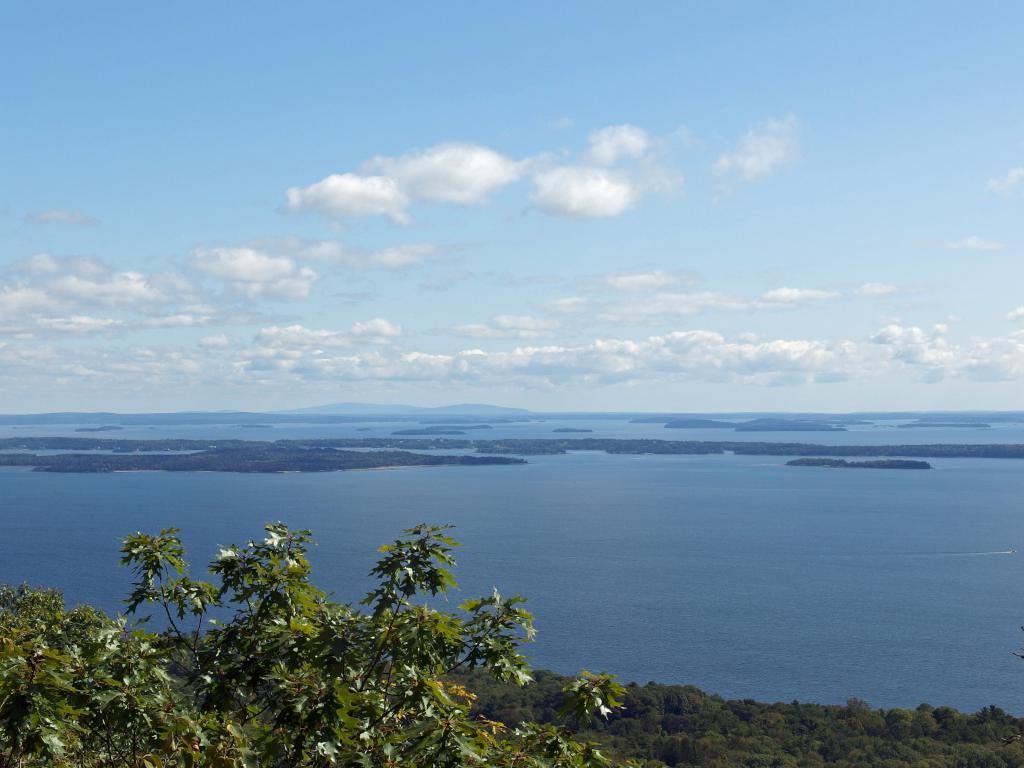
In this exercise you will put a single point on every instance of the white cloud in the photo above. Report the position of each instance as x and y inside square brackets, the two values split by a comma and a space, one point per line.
[762, 150]
[676, 356]
[115, 288]
[877, 289]
[460, 173]
[63, 216]
[400, 256]
[450, 173]
[664, 306]
[181, 320]
[1005, 184]
[378, 328]
[349, 194]
[215, 341]
[38, 264]
[584, 192]
[299, 337]
[640, 281]
[568, 304]
[796, 295]
[1016, 314]
[608, 145]
[79, 324]
[21, 300]
[58, 294]
[974, 243]
[254, 274]
[507, 327]
[390, 258]
[917, 347]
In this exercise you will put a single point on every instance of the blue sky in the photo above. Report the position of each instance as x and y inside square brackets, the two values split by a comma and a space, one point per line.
[581, 206]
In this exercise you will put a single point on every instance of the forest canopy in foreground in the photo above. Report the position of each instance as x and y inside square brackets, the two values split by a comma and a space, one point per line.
[285, 677]
[259, 669]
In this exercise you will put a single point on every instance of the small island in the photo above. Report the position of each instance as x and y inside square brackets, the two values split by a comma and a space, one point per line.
[428, 432]
[787, 425]
[564, 430]
[434, 425]
[946, 425]
[700, 424]
[873, 464]
[105, 428]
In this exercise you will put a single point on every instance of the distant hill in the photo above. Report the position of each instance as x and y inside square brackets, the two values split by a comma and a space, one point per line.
[363, 409]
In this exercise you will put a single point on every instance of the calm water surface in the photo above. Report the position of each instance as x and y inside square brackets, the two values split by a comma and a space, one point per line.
[734, 573]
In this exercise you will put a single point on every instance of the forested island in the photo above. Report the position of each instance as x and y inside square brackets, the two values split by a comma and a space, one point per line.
[844, 464]
[788, 425]
[429, 431]
[324, 454]
[565, 430]
[260, 457]
[946, 425]
[695, 424]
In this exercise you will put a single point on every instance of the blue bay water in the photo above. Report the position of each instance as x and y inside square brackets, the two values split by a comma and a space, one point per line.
[734, 573]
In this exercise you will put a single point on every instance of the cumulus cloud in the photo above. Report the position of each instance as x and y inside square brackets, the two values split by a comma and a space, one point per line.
[63, 216]
[664, 305]
[17, 300]
[583, 192]
[338, 254]
[974, 243]
[290, 355]
[507, 327]
[78, 324]
[1016, 314]
[450, 173]
[215, 341]
[460, 173]
[640, 281]
[914, 346]
[254, 274]
[568, 304]
[464, 173]
[45, 293]
[349, 194]
[180, 320]
[608, 145]
[1005, 184]
[872, 290]
[299, 337]
[762, 151]
[680, 355]
[113, 289]
[38, 264]
[796, 295]
[378, 328]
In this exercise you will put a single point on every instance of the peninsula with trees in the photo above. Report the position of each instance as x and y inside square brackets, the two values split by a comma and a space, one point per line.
[871, 464]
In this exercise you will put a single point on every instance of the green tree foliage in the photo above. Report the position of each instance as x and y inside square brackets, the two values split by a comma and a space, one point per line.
[258, 668]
